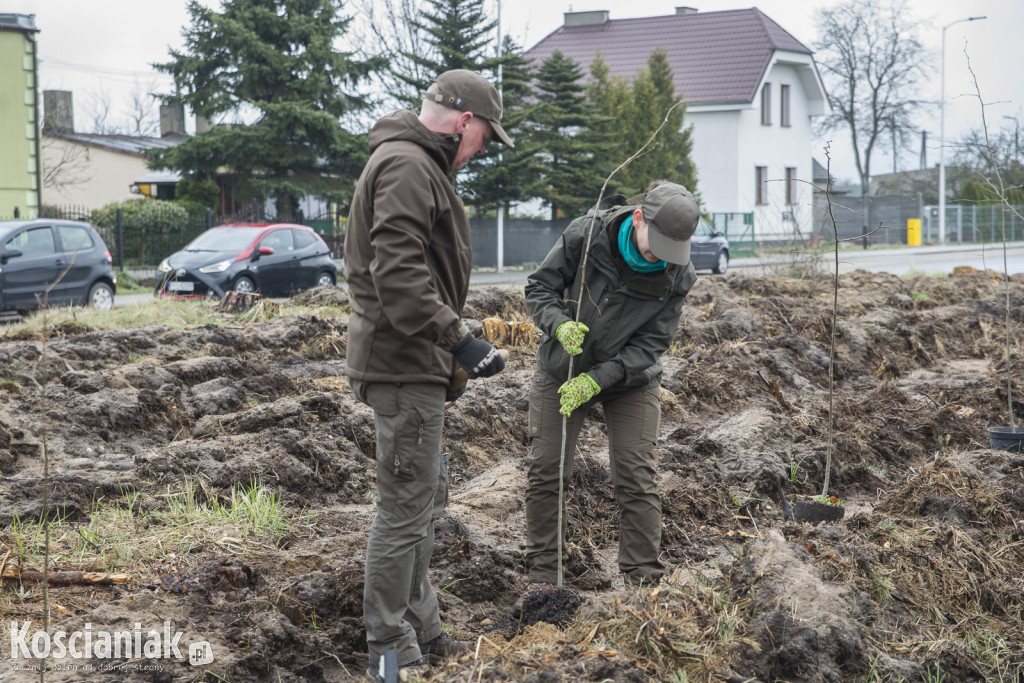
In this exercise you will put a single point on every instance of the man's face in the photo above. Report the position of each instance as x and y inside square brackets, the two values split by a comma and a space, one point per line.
[475, 134]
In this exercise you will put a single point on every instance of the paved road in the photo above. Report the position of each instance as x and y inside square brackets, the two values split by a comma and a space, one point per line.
[901, 261]
[907, 260]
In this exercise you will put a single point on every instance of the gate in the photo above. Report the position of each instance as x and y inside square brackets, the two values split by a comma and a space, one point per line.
[738, 228]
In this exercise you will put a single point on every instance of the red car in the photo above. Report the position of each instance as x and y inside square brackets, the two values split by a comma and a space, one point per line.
[274, 259]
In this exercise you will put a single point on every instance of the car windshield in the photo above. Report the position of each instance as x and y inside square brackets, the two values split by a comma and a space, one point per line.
[224, 239]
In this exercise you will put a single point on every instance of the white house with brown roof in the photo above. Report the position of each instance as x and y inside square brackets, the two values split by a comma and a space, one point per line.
[90, 170]
[751, 88]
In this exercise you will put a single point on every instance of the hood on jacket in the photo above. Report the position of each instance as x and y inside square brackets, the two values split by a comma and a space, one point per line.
[404, 125]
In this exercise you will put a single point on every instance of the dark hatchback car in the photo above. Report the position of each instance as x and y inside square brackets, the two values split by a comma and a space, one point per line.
[709, 250]
[273, 259]
[50, 262]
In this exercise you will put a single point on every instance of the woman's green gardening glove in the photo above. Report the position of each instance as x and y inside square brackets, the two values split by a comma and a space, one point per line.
[576, 392]
[571, 333]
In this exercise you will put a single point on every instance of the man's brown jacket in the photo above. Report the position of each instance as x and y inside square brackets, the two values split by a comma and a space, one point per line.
[407, 257]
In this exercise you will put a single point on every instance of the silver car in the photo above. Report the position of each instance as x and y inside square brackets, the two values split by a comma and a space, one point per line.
[709, 250]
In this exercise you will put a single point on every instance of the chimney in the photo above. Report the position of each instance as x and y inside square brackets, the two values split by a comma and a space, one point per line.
[686, 10]
[595, 18]
[204, 124]
[58, 114]
[172, 120]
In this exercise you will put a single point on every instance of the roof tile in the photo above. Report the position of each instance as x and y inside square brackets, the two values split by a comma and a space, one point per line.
[716, 57]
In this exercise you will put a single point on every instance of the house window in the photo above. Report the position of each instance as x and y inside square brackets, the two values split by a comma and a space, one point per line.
[784, 105]
[766, 105]
[761, 190]
[790, 185]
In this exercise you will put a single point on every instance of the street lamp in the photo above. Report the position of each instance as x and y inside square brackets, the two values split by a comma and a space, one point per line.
[942, 133]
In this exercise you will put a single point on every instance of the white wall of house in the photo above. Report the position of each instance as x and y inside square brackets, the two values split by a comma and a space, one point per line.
[94, 176]
[729, 142]
[716, 142]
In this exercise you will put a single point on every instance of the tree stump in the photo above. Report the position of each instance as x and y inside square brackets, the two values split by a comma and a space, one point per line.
[509, 334]
[236, 302]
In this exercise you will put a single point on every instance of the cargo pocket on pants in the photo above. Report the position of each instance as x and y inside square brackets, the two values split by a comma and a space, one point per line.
[650, 426]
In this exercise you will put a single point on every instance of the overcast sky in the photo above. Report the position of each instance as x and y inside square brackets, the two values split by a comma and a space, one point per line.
[102, 49]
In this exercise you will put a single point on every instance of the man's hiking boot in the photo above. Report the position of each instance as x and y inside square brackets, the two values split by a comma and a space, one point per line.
[442, 647]
[531, 589]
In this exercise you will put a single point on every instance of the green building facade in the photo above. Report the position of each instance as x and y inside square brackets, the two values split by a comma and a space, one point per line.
[20, 170]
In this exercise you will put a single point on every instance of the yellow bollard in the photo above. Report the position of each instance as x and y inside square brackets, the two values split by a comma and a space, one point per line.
[913, 232]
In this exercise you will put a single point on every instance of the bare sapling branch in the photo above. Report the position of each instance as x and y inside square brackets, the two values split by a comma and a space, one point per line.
[45, 583]
[835, 312]
[1000, 191]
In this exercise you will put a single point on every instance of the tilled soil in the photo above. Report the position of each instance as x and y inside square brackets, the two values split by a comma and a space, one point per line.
[929, 555]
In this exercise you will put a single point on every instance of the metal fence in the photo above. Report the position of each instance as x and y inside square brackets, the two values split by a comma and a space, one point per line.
[526, 242]
[738, 228]
[888, 215]
[884, 224]
[142, 238]
[974, 223]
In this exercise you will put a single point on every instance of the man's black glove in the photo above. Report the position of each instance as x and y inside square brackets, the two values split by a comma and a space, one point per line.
[479, 358]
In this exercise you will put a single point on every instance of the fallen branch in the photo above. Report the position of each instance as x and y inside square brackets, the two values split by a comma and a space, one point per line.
[64, 578]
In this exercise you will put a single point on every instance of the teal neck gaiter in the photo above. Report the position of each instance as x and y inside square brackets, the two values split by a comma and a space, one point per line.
[631, 254]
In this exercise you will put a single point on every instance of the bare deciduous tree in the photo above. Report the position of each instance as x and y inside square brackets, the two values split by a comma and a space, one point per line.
[872, 63]
[142, 120]
[64, 164]
[388, 27]
[100, 113]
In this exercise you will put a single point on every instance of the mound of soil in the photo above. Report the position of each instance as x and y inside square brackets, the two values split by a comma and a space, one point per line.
[925, 565]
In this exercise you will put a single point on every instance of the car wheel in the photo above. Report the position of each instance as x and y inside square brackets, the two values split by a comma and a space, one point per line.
[244, 284]
[101, 296]
[325, 280]
[723, 263]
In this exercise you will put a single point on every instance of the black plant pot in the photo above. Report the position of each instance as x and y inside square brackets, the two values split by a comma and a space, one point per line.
[815, 512]
[1006, 438]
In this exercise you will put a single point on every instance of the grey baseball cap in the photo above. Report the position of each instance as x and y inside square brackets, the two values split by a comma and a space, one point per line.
[671, 215]
[469, 91]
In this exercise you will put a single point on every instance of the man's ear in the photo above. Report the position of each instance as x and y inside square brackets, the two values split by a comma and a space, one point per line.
[638, 215]
[463, 121]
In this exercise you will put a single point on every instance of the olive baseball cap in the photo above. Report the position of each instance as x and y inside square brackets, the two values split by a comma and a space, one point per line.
[671, 214]
[469, 91]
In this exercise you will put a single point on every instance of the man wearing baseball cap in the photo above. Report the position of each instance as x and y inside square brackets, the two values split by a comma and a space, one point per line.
[407, 263]
[615, 321]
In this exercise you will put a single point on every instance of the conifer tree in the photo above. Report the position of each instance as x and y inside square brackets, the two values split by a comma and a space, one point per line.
[276, 64]
[612, 99]
[654, 94]
[633, 111]
[515, 178]
[456, 34]
[565, 130]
